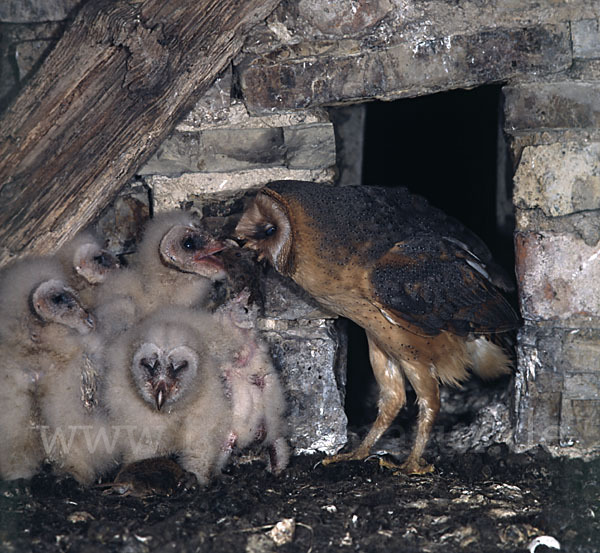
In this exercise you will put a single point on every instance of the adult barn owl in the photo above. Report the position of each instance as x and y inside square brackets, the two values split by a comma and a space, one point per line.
[418, 282]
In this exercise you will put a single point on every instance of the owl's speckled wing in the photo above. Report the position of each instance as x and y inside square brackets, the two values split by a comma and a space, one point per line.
[436, 285]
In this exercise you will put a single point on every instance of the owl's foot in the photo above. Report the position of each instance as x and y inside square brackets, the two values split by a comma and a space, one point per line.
[414, 466]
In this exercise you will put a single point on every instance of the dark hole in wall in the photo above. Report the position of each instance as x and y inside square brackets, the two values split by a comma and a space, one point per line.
[445, 147]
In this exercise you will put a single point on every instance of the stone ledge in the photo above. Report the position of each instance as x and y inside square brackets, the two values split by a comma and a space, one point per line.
[173, 192]
[315, 74]
[310, 146]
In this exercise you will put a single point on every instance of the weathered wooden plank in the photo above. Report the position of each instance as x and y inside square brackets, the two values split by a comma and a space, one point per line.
[104, 99]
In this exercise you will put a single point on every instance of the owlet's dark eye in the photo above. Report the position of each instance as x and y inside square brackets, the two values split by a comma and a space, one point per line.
[62, 298]
[270, 230]
[103, 260]
[150, 365]
[189, 243]
[193, 243]
[179, 366]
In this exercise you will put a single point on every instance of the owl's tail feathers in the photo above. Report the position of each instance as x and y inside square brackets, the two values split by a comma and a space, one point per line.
[489, 360]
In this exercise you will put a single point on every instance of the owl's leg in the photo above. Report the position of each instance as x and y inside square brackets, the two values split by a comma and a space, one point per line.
[392, 396]
[427, 389]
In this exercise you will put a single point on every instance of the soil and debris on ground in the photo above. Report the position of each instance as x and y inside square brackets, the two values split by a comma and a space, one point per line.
[490, 501]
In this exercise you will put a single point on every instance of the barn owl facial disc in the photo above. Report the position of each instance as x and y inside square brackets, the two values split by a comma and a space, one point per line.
[53, 301]
[192, 250]
[161, 374]
[94, 263]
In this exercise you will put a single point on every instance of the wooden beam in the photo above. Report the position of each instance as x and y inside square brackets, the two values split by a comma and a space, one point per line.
[110, 91]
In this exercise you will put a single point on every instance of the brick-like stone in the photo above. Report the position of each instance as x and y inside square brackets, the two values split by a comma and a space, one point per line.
[173, 192]
[285, 300]
[33, 11]
[309, 146]
[579, 427]
[217, 150]
[586, 38]
[582, 349]
[312, 359]
[554, 105]
[557, 390]
[537, 391]
[558, 276]
[559, 179]
[216, 137]
[311, 74]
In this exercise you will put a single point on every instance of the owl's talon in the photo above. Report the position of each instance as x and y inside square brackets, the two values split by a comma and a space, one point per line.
[356, 455]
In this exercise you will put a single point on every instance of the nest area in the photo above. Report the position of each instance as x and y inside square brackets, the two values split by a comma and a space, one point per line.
[491, 501]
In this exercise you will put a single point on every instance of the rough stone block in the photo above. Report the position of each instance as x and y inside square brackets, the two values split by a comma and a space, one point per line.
[312, 359]
[349, 126]
[579, 423]
[318, 73]
[217, 150]
[582, 349]
[216, 137]
[173, 192]
[586, 38]
[309, 146]
[582, 385]
[285, 300]
[559, 178]
[375, 18]
[558, 276]
[537, 390]
[8, 78]
[551, 105]
[32, 11]
[557, 390]
[27, 54]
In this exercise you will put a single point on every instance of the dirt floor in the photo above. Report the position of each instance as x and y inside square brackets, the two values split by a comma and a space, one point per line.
[493, 501]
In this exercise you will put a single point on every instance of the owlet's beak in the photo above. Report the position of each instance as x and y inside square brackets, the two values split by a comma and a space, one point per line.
[160, 394]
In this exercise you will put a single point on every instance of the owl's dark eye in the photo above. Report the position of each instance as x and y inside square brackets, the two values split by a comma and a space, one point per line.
[270, 230]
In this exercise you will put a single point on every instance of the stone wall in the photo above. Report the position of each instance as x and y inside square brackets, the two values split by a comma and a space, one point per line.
[269, 118]
[554, 132]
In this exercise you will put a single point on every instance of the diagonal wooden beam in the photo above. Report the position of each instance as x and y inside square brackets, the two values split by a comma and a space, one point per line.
[106, 96]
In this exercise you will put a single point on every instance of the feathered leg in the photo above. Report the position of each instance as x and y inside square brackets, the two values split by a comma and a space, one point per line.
[392, 396]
